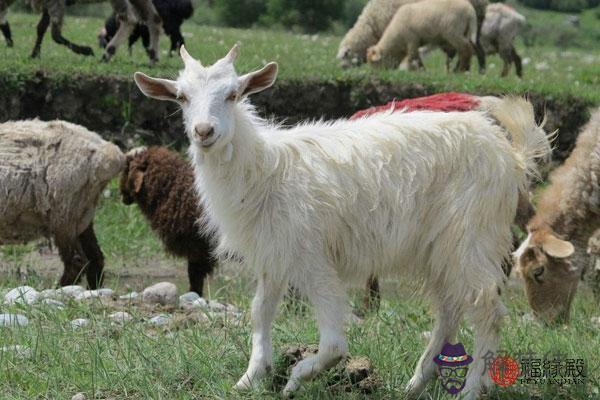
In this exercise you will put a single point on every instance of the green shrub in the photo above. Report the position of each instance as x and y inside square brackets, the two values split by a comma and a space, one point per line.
[239, 13]
[305, 15]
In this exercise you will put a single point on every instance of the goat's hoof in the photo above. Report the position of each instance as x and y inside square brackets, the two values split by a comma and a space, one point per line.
[105, 59]
[9, 43]
[243, 384]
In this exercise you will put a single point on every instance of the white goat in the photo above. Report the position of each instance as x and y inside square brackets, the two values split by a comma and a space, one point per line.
[328, 203]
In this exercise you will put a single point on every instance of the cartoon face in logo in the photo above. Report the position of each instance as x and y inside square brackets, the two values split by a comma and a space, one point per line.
[453, 365]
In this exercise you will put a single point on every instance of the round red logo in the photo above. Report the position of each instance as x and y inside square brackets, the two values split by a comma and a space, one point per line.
[504, 371]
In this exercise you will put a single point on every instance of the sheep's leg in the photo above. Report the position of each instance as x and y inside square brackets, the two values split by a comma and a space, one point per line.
[486, 317]
[41, 31]
[507, 58]
[268, 295]
[74, 260]
[465, 52]
[372, 299]
[5, 28]
[198, 270]
[124, 31]
[57, 36]
[89, 244]
[447, 319]
[518, 63]
[479, 51]
[326, 293]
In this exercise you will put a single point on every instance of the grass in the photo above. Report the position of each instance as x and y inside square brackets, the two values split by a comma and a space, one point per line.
[203, 360]
[549, 70]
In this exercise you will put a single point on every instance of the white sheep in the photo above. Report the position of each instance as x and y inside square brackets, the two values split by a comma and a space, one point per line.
[373, 21]
[328, 203]
[51, 177]
[367, 30]
[501, 25]
[449, 22]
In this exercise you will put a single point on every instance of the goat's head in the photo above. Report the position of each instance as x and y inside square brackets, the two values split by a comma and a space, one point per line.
[132, 177]
[208, 96]
[544, 262]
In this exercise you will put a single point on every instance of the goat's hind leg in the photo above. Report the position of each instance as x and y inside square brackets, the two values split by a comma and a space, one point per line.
[124, 31]
[42, 27]
[447, 319]
[269, 292]
[326, 293]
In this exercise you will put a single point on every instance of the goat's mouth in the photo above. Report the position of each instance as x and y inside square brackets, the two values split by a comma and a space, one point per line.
[208, 142]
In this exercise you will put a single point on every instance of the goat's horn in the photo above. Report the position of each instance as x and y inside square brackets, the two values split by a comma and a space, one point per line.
[233, 53]
[185, 56]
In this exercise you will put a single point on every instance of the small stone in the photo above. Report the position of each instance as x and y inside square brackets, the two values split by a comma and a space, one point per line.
[426, 336]
[200, 303]
[596, 321]
[48, 294]
[18, 350]
[188, 298]
[216, 306]
[21, 295]
[164, 293]
[92, 294]
[130, 296]
[160, 320]
[79, 396]
[54, 303]
[79, 323]
[70, 291]
[13, 320]
[120, 317]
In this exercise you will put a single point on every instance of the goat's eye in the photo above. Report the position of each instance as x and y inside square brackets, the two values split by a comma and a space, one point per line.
[232, 96]
[537, 274]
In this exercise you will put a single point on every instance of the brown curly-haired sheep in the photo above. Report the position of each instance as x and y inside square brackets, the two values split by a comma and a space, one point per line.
[161, 183]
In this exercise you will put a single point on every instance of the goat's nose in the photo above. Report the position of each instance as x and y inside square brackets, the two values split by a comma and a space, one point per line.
[204, 130]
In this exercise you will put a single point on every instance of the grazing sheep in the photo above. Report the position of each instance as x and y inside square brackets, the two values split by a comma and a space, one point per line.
[439, 22]
[129, 12]
[172, 13]
[327, 203]
[162, 185]
[368, 29]
[500, 27]
[553, 257]
[373, 21]
[4, 26]
[51, 177]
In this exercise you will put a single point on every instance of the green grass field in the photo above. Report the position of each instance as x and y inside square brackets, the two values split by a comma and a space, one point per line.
[198, 360]
[549, 70]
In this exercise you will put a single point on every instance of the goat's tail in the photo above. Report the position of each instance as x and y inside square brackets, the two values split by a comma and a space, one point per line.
[529, 140]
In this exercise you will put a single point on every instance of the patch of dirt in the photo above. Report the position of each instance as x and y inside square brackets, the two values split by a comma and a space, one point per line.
[353, 374]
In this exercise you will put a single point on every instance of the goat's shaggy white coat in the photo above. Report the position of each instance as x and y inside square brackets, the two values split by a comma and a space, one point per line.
[328, 203]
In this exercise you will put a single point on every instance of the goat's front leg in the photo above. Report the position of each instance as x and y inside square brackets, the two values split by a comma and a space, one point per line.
[326, 293]
[268, 295]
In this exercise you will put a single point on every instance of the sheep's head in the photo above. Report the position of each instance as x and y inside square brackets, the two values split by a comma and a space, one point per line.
[544, 262]
[208, 96]
[349, 58]
[132, 178]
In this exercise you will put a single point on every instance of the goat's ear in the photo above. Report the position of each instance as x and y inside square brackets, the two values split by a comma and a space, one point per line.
[556, 247]
[161, 89]
[258, 81]
[138, 180]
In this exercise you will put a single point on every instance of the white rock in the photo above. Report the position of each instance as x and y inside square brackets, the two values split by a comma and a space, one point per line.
[79, 323]
[160, 320]
[48, 294]
[596, 321]
[130, 296]
[20, 351]
[52, 302]
[120, 317]
[201, 303]
[70, 291]
[216, 306]
[188, 298]
[426, 336]
[79, 396]
[92, 294]
[13, 320]
[164, 293]
[21, 295]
